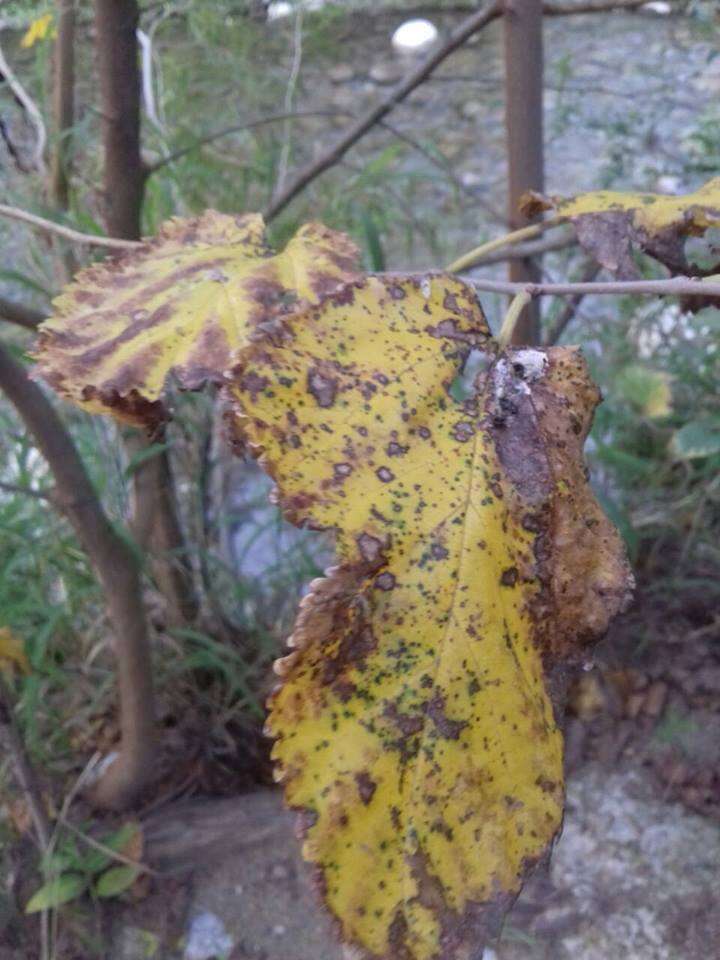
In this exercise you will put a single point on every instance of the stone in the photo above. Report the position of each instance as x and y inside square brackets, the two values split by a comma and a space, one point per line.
[207, 938]
[632, 877]
[341, 73]
[385, 73]
[473, 109]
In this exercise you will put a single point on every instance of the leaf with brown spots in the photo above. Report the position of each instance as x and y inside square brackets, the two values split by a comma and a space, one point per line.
[415, 729]
[610, 224]
[181, 304]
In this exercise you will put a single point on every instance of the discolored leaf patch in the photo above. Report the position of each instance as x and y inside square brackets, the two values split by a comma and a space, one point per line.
[610, 224]
[415, 729]
[181, 305]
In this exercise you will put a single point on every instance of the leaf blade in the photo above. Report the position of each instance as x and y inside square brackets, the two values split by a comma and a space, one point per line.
[180, 306]
[415, 726]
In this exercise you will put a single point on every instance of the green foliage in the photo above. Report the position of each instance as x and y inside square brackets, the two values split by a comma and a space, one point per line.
[54, 893]
[73, 868]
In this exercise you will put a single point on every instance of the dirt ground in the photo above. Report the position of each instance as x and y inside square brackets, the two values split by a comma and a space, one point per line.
[634, 874]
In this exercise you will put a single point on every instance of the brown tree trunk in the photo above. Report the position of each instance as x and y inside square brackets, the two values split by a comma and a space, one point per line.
[118, 572]
[63, 102]
[156, 527]
[524, 131]
[116, 23]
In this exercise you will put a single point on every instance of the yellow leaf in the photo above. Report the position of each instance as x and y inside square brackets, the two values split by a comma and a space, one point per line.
[609, 222]
[415, 729]
[39, 29]
[181, 305]
[12, 652]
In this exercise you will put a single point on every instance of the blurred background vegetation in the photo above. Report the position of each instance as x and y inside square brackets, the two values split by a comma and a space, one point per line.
[640, 110]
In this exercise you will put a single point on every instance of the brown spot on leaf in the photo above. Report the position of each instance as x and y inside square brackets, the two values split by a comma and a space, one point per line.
[435, 710]
[439, 552]
[385, 581]
[371, 548]
[253, 384]
[322, 386]
[395, 449]
[463, 431]
[366, 786]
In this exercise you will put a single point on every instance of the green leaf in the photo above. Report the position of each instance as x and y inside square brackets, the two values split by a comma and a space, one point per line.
[116, 880]
[60, 890]
[645, 389]
[373, 242]
[15, 276]
[704, 251]
[96, 860]
[697, 439]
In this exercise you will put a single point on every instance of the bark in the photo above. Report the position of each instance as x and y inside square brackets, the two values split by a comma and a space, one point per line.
[117, 570]
[20, 314]
[116, 24]
[524, 131]
[156, 528]
[63, 102]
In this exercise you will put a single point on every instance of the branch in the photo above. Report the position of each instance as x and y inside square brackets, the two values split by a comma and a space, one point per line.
[468, 28]
[599, 6]
[300, 114]
[237, 128]
[20, 315]
[30, 108]
[49, 226]
[26, 491]
[521, 251]
[549, 9]
[446, 168]
[114, 563]
[674, 287]
[477, 255]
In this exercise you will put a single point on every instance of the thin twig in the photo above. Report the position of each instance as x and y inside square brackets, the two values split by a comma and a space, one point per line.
[468, 28]
[446, 168]
[238, 128]
[108, 851]
[30, 108]
[674, 287]
[27, 491]
[24, 771]
[522, 251]
[478, 254]
[50, 226]
[517, 305]
[289, 97]
[593, 6]
[549, 9]
[568, 311]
